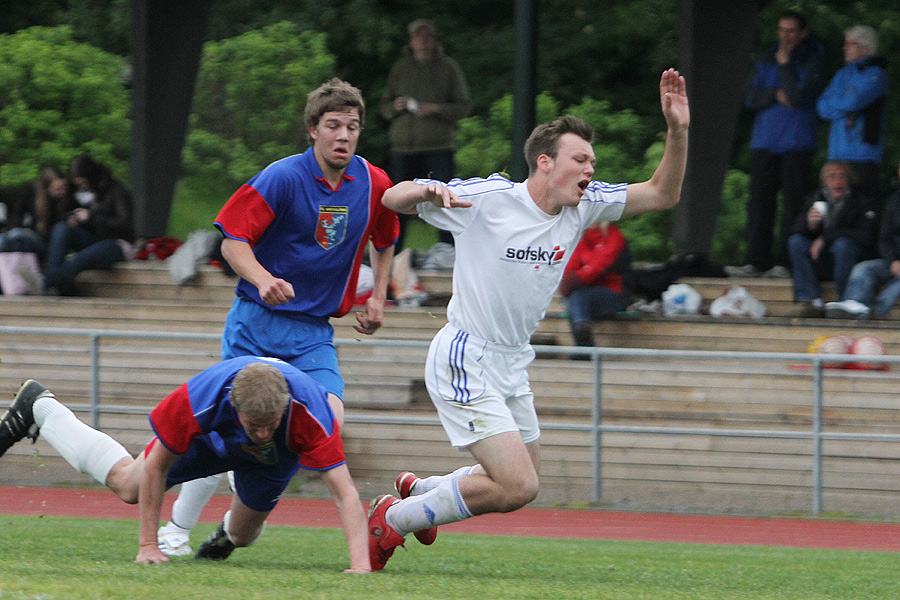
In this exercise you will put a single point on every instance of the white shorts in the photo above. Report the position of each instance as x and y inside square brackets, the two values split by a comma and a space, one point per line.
[480, 389]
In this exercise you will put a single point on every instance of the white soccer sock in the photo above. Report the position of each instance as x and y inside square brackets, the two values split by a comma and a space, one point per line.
[444, 504]
[194, 495]
[88, 450]
[426, 484]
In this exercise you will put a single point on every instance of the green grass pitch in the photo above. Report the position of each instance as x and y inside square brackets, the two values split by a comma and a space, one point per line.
[58, 558]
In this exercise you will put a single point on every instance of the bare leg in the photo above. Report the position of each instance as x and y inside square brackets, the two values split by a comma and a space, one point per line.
[505, 480]
[125, 478]
[337, 407]
[245, 525]
[511, 474]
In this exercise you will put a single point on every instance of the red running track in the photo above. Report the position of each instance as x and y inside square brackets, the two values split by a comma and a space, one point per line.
[591, 524]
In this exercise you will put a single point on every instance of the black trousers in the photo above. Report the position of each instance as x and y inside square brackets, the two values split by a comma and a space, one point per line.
[428, 165]
[790, 172]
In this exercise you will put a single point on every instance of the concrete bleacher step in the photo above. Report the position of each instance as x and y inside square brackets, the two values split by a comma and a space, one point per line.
[150, 280]
[642, 470]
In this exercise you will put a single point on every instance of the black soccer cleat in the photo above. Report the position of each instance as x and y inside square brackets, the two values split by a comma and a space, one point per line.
[18, 421]
[217, 546]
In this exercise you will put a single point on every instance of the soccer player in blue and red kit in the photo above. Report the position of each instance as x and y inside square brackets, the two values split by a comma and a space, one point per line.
[295, 234]
[260, 418]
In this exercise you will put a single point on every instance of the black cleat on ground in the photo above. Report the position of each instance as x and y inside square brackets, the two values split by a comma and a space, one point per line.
[217, 546]
[18, 421]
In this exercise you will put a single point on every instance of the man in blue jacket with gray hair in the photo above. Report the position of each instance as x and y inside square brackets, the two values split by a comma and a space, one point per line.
[854, 102]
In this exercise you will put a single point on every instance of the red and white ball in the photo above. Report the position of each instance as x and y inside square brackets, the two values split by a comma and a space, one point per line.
[868, 345]
[835, 344]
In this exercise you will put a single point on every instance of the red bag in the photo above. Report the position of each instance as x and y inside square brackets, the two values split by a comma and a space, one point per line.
[159, 248]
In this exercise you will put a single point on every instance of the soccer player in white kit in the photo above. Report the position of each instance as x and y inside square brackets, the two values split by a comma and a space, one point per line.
[512, 242]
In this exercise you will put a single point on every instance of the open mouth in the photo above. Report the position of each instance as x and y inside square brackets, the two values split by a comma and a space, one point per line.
[583, 185]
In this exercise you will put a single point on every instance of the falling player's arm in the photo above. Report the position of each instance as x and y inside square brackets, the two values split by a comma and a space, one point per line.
[663, 190]
[353, 517]
[240, 257]
[404, 196]
[157, 463]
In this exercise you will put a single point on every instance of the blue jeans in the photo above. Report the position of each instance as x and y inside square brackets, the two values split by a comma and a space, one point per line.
[593, 302]
[867, 277]
[835, 262]
[89, 253]
[22, 239]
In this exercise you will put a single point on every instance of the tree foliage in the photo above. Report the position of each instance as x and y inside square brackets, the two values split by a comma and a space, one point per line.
[59, 98]
[249, 100]
[599, 60]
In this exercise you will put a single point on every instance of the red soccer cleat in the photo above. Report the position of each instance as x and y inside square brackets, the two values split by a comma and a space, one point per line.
[404, 484]
[382, 537]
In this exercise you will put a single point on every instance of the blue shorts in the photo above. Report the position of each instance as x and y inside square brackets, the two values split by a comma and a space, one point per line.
[259, 485]
[300, 340]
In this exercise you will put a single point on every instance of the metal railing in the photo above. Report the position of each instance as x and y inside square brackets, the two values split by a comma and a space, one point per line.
[595, 428]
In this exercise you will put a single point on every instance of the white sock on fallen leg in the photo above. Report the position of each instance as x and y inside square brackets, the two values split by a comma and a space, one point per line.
[89, 451]
[426, 484]
[444, 504]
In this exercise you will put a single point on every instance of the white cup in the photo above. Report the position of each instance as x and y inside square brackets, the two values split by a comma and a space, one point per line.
[822, 207]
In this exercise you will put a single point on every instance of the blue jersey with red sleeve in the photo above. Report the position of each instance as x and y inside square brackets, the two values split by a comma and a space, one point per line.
[308, 234]
[202, 407]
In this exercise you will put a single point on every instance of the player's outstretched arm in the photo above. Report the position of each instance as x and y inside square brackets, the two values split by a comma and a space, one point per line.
[663, 190]
[353, 517]
[404, 196]
[157, 463]
[240, 257]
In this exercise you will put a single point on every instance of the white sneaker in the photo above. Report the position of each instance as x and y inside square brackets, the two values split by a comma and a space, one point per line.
[744, 271]
[174, 540]
[777, 272]
[852, 309]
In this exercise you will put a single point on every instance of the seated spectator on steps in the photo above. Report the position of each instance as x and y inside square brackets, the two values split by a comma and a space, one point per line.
[835, 230]
[96, 235]
[596, 282]
[44, 202]
[859, 299]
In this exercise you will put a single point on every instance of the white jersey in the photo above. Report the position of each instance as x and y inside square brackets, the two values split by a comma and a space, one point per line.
[510, 254]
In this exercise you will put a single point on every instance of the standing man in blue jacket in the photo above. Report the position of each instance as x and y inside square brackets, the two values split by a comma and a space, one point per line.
[854, 102]
[787, 79]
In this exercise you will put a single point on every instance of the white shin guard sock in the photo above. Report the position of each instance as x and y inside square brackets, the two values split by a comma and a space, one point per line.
[444, 504]
[426, 484]
[194, 495]
[88, 450]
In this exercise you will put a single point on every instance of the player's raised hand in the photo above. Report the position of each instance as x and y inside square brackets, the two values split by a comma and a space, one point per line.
[673, 96]
[442, 196]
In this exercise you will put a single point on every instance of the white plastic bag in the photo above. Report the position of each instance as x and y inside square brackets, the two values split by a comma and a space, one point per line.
[737, 302]
[681, 299]
[12, 265]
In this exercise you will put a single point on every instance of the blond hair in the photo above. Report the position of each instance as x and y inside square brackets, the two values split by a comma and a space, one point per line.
[259, 389]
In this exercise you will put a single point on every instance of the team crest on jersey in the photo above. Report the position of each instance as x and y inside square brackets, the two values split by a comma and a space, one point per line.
[266, 453]
[332, 225]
